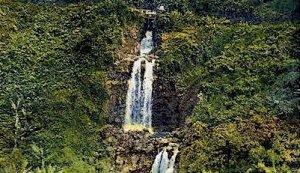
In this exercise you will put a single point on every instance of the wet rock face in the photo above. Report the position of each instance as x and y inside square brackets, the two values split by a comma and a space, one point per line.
[166, 113]
[171, 104]
[117, 96]
[135, 152]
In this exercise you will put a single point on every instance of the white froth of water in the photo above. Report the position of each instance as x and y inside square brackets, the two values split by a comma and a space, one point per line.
[146, 44]
[162, 164]
[139, 94]
[147, 100]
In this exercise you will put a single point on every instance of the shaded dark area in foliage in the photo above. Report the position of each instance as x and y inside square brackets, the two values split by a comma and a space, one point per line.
[236, 10]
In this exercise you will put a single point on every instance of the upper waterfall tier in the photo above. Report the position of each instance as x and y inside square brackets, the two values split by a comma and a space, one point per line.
[139, 93]
[146, 44]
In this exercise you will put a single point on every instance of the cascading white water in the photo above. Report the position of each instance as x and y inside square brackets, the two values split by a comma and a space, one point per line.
[171, 168]
[134, 94]
[156, 164]
[162, 163]
[147, 100]
[139, 94]
[146, 44]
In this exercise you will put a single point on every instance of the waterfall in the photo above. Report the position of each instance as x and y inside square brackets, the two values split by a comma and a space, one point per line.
[162, 163]
[146, 44]
[147, 100]
[156, 164]
[139, 94]
[171, 167]
[133, 94]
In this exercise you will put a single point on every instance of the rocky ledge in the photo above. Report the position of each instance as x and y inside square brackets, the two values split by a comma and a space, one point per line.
[135, 152]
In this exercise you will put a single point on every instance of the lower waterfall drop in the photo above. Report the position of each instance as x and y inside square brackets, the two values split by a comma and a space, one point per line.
[138, 113]
[162, 163]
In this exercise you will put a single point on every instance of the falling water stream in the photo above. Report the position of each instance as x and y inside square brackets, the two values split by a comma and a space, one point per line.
[162, 163]
[138, 113]
[139, 94]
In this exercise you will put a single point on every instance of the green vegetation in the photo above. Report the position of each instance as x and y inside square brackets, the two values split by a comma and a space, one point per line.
[247, 79]
[257, 144]
[54, 63]
[240, 57]
[238, 67]
[250, 10]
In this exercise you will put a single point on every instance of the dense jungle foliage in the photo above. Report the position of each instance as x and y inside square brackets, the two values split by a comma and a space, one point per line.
[242, 58]
[53, 66]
